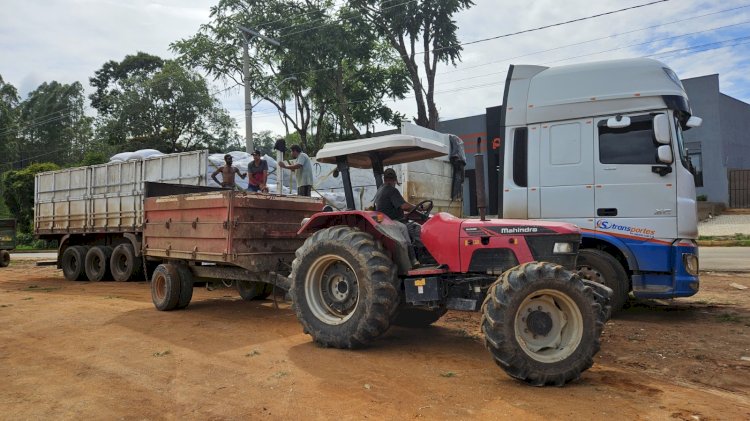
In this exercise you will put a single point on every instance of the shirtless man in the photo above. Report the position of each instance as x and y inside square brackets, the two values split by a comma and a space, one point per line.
[227, 173]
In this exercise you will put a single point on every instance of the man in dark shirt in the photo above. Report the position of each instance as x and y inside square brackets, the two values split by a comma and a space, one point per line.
[389, 201]
[258, 170]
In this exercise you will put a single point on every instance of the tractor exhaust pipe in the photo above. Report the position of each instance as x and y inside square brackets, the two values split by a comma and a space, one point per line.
[479, 177]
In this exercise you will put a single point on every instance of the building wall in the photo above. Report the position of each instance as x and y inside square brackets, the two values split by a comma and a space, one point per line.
[735, 132]
[705, 101]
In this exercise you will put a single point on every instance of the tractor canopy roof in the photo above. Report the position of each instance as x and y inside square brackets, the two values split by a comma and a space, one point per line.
[393, 149]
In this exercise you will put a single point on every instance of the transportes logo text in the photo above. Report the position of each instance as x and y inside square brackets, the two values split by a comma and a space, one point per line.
[603, 224]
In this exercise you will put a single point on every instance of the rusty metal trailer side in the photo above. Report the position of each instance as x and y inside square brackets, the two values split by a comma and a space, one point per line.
[243, 230]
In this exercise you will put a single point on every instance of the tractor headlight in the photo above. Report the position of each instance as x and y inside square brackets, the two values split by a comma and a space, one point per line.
[304, 221]
[691, 263]
[562, 248]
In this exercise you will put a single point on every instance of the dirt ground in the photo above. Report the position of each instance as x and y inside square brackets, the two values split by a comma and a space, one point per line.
[72, 350]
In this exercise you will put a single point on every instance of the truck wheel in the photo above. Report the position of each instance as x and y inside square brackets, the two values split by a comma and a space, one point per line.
[251, 290]
[165, 287]
[73, 261]
[540, 324]
[97, 263]
[601, 267]
[186, 286]
[418, 317]
[343, 287]
[4, 258]
[123, 264]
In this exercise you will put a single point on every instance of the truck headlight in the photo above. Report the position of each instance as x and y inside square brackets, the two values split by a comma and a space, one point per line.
[691, 263]
[562, 248]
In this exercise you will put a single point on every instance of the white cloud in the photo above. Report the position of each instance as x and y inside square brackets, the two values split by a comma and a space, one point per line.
[68, 40]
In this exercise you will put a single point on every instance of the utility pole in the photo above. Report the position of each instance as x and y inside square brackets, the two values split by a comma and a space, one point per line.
[248, 34]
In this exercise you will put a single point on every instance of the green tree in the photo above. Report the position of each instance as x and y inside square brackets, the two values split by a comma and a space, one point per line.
[9, 101]
[147, 102]
[332, 66]
[52, 125]
[411, 26]
[18, 192]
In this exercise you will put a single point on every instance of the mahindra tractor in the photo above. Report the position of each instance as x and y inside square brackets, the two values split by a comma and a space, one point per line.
[353, 277]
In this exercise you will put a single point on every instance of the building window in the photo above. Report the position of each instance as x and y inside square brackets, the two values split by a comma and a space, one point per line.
[634, 144]
[696, 164]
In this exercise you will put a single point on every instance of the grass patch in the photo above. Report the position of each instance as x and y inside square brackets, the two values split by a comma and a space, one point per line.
[27, 298]
[448, 374]
[280, 374]
[252, 353]
[729, 318]
[6, 305]
[38, 288]
[162, 353]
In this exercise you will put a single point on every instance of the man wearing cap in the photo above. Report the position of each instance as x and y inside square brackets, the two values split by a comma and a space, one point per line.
[304, 175]
[258, 170]
[389, 201]
[227, 173]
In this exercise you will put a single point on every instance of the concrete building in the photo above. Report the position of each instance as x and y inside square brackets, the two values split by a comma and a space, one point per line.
[719, 149]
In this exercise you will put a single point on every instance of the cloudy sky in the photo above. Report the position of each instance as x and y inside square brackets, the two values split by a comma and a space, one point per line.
[68, 40]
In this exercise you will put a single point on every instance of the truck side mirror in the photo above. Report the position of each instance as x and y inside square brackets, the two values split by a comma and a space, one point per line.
[694, 121]
[661, 130]
[664, 153]
[618, 122]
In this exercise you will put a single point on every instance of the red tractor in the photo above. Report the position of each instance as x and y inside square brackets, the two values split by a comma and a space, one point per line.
[352, 279]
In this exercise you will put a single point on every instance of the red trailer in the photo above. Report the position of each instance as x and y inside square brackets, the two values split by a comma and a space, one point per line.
[245, 238]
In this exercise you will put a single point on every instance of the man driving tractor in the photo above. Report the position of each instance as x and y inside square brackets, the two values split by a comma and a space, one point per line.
[390, 201]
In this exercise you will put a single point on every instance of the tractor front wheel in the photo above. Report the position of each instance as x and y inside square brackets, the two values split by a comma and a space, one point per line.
[343, 286]
[542, 324]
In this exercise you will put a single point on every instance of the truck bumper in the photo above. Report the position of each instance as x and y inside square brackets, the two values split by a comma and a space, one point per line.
[682, 282]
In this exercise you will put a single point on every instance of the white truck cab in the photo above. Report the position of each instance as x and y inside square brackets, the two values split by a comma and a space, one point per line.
[600, 145]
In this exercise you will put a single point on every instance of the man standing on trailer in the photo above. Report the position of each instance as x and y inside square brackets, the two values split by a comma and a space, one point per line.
[258, 170]
[227, 173]
[389, 201]
[304, 175]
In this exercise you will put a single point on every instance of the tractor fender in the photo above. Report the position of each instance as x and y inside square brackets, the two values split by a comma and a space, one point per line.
[374, 223]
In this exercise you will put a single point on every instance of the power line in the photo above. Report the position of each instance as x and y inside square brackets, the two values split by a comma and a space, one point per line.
[465, 68]
[524, 31]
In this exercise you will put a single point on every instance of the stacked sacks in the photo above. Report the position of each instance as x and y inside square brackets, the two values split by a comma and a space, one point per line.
[138, 155]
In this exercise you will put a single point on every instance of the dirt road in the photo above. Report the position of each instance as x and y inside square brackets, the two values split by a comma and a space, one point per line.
[101, 351]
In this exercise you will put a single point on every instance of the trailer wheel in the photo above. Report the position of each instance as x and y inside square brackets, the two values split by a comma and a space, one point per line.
[540, 324]
[343, 287]
[165, 287]
[97, 263]
[4, 258]
[73, 261]
[123, 264]
[599, 266]
[251, 290]
[417, 317]
[186, 286]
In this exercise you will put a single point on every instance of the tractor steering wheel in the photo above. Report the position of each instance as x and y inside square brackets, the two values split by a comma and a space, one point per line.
[422, 209]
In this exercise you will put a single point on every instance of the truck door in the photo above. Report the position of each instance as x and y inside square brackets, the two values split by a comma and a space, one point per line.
[566, 171]
[635, 194]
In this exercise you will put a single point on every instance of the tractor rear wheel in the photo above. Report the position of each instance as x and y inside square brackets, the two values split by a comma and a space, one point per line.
[541, 324]
[4, 258]
[343, 287]
[417, 317]
[599, 266]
